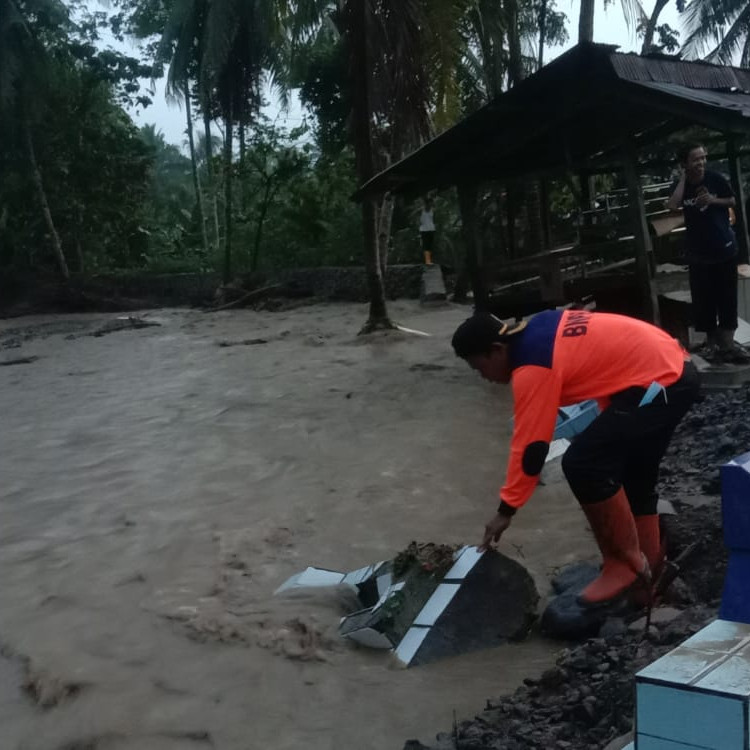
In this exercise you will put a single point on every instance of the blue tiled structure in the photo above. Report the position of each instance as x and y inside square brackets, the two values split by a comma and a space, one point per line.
[735, 503]
[697, 697]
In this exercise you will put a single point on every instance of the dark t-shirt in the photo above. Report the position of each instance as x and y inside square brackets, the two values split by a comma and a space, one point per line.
[709, 236]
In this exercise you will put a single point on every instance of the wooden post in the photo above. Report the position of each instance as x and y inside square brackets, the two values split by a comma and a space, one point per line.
[643, 249]
[546, 224]
[467, 202]
[740, 224]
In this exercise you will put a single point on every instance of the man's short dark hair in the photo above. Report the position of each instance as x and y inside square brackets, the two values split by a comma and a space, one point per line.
[477, 334]
[684, 151]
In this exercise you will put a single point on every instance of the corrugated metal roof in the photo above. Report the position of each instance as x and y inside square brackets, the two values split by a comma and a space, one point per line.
[738, 101]
[694, 75]
[572, 110]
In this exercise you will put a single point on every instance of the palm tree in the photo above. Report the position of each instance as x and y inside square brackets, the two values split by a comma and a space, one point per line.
[179, 44]
[718, 31]
[226, 47]
[387, 53]
[22, 63]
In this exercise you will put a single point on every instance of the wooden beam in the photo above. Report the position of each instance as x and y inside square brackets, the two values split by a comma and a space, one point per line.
[467, 204]
[643, 249]
[740, 224]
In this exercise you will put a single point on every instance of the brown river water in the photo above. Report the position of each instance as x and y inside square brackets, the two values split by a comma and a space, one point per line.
[155, 489]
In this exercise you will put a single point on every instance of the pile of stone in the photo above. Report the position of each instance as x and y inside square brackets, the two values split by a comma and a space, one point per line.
[582, 703]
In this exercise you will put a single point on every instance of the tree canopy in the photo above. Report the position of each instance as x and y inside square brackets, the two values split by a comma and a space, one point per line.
[84, 190]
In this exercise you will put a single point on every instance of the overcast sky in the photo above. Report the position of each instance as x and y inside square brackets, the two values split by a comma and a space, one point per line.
[609, 28]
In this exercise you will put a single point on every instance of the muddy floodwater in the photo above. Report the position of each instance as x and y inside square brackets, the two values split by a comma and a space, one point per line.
[157, 485]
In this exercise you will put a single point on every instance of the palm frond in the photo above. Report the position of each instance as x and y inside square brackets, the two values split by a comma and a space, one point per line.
[634, 14]
[733, 41]
[705, 23]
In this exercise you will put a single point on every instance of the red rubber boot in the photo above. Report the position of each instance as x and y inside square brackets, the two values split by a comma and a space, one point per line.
[616, 534]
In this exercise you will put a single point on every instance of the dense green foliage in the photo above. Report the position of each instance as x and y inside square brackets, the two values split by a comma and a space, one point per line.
[84, 190]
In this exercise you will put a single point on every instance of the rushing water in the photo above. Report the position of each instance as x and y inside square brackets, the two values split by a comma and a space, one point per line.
[155, 488]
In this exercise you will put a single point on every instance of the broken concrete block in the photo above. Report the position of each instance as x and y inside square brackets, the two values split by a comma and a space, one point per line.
[574, 419]
[431, 602]
[312, 578]
[433, 286]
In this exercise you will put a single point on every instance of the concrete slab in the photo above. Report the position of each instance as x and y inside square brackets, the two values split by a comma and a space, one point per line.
[721, 376]
[433, 287]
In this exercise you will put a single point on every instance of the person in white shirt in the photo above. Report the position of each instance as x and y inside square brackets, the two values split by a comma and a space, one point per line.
[427, 231]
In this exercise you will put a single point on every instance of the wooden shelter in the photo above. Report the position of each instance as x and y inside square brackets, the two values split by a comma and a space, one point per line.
[588, 111]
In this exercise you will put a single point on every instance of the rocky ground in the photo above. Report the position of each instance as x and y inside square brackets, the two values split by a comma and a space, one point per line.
[586, 701]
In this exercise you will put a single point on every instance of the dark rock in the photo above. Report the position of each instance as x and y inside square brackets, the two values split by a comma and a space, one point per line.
[613, 627]
[574, 577]
[565, 618]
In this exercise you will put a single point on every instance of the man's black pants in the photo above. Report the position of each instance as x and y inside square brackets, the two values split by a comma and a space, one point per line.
[713, 289]
[625, 444]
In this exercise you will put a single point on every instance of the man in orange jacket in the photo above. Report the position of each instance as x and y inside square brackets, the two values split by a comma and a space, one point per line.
[644, 383]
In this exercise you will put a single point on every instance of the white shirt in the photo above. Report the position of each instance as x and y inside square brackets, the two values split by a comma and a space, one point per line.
[426, 221]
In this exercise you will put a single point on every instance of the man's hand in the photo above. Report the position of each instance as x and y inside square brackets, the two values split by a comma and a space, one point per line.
[704, 199]
[494, 530]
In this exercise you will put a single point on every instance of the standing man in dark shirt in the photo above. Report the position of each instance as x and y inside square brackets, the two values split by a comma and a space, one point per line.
[706, 198]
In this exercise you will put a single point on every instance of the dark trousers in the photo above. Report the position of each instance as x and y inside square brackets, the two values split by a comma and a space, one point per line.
[713, 288]
[625, 444]
[428, 241]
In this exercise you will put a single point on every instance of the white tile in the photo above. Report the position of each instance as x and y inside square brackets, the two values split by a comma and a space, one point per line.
[467, 559]
[681, 666]
[384, 583]
[720, 635]
[731, 677]
[312, 578]
[410, 644]
[370, 637]
[437, 603]
[360, 575]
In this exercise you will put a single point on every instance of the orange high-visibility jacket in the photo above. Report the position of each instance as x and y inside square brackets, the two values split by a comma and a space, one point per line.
[565, 357]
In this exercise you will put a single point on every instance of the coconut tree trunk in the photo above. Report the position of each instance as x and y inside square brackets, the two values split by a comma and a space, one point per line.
[648, 38]
[243, 151]
[41, 195]
[385, 220]
[210, 173]
[365, 161]
[265, 204]
[515, 58]
[194, 164]
[542, 33]
[228, 191]
[586, 21]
